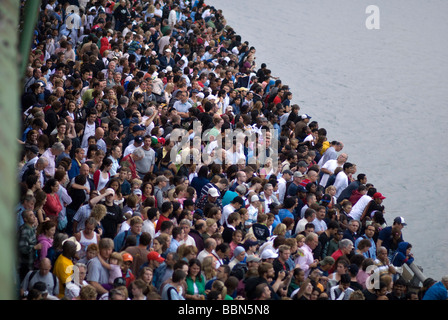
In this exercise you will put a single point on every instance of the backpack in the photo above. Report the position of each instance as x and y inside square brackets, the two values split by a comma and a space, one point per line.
[34, 273]
[171, 293]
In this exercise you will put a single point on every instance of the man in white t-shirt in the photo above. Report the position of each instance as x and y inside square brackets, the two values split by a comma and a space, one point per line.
[342, 179]
[329, 167]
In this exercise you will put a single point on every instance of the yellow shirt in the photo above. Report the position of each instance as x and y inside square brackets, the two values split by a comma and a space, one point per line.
[63, 270]
[325, 146]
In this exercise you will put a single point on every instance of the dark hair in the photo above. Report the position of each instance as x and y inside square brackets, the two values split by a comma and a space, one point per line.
[50, 183]
[345, 278]
[178, 275]
[106, 162]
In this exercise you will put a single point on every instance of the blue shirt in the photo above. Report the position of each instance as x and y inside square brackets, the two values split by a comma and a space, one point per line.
[371, 253]
[283, 213]
[436, 292]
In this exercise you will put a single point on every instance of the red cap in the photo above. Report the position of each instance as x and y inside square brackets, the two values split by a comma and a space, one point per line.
[127, 257]
[378, 195]
[153, 255]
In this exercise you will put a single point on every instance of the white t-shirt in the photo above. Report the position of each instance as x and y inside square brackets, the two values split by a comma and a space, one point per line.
[329, 165]
[341, 182]
[359, 207]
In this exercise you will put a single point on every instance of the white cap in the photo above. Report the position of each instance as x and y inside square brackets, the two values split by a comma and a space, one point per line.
[213, 192]
[268, 254]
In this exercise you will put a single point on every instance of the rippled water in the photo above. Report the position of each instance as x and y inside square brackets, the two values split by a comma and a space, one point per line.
[382, 92]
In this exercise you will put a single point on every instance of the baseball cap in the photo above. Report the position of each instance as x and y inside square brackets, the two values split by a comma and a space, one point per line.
[161, 141]
[32, 148]
[400, 220]
[120, 281]
[137, 128]
[127, 257]
[213, 192]
[153, 255]
[305, 116]
[288, 172]
[328, 260]
[253, 258]
[377, 195]
[161, 179]
[138, 139]
[268, 254]
[112, 191]
[298, 174]
[255, 198]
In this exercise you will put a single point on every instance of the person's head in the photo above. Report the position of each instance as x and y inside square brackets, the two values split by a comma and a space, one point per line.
[346, 246]
[92, 251]
[146, 274]
[194, 267]
[344, 282]
[154, 259]
[178, 276]
[47, 228]
[284, 252]
[266, 270]
[106, 247]
[364, 245]
[353, 225]
[239, 253]
[312, 240]
[381, 253]
[116, 258]
[138, 287]
[69, 249]
[136, 224]
[370, 231]
[88, 292]
[399, 223]
[44, 266]
[223, 250]
[223, 272]
[262, 292]
[399, 287]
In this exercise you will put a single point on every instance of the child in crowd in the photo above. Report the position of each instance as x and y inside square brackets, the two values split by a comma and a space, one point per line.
[114, 266]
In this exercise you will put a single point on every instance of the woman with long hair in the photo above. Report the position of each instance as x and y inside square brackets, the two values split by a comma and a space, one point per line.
[195, 281]
[102, 175]
[52, 206]
[41, 199]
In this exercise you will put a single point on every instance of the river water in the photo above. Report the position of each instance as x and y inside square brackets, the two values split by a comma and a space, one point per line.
[383, 92]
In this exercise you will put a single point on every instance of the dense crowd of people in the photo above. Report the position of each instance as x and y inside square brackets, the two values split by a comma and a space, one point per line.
[160, 162]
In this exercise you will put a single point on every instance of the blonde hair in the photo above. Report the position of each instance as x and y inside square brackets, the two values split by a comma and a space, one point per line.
[220, 287]
[280, 229]
[208, 267]
[116, 255]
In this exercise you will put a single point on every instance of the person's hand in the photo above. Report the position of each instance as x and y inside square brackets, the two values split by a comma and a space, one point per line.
[281, 275]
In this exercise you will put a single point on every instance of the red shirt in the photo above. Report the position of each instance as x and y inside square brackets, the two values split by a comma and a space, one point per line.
[159, 222]
[53, 206]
